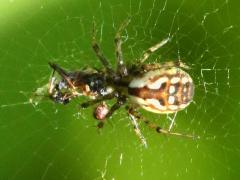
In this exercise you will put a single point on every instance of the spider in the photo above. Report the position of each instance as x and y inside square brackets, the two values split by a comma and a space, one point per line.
[159, 87]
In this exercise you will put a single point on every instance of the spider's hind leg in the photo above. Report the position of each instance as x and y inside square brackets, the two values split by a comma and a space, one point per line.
[156, 127]
[169, 64]
[134, 117]
[154, 48]
[177, 63]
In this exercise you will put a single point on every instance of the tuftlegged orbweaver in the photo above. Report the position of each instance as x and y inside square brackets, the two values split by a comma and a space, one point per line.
[159, 88]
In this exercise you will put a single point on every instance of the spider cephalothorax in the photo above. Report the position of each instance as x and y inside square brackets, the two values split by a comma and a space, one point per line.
[159, 88]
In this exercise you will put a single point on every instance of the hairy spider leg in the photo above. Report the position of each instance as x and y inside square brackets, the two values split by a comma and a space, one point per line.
[156, 127]
[177, 63]
[137, 129]
[152, 49]
[98, 51]
[121, 67]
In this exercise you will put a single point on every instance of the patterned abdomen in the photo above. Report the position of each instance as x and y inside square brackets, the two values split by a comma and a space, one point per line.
[164, 90]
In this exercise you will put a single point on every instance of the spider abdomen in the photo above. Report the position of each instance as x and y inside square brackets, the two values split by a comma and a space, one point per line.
[164, 90]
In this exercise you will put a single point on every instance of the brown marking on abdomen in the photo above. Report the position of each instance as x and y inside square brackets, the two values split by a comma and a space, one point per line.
[162, 94]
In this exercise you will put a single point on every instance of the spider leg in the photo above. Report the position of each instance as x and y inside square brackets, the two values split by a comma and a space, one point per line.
[120, 102]
[133, 116]
[169, 64]
[177, 63]
[121, 67]
[152, 49]
[156, 127]
[98, 51]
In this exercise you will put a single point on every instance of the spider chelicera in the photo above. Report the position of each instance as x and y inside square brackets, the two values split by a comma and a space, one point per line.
[159, 88]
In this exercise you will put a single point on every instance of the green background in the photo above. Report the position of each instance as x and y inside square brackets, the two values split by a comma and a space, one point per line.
[52, 141]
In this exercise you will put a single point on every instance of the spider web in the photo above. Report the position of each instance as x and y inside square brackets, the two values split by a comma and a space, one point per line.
[51, 141]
